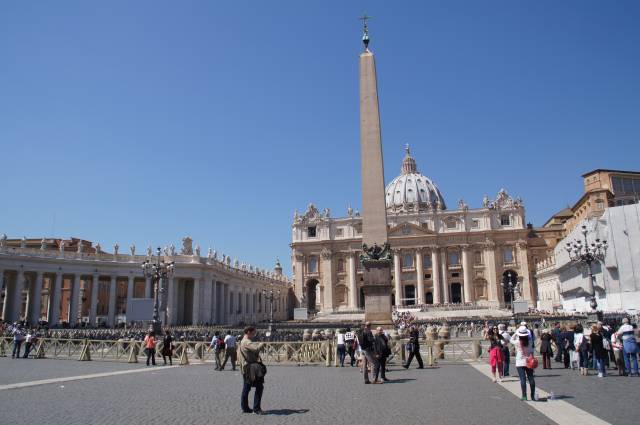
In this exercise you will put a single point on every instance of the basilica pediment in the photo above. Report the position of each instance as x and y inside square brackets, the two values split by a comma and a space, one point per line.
[409, 229]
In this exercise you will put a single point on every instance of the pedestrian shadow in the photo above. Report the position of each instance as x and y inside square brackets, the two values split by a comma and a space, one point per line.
[399, 381]
[547, 376]
[286, 412]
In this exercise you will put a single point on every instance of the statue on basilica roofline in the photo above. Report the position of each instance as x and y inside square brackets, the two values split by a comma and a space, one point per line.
[132, 249]
[172, 250]
[209, 254]
[463, 205]
[165, 250]
[116, 247]
[187, 246]
[62, 245]
[197, 251]
[43, 244]
[23, 242]
[98, 248]
[350, 211]
[149, 251]
[3, 240]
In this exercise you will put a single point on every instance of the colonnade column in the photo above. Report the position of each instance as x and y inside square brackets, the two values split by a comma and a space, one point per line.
[397, 277]
[207, 299]
[445, 273]
[420, 276]
[75, 300]
[467, 274]
[35, 304]
[435, 275]
[214, 302]
[95, 284]
[17, 296]
[54, 306]
[130, 288]
[196, 301]
[148, 291]
[112, 301]
[171, 295]
[353, 287]
[5, 302]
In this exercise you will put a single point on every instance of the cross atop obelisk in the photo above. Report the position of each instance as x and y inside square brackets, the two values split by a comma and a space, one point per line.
[376, 255]
[365, 31]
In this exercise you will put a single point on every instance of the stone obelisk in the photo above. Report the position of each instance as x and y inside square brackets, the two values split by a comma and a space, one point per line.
[376, 256]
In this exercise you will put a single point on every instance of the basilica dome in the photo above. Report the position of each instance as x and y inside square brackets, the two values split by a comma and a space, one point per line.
[412, 191]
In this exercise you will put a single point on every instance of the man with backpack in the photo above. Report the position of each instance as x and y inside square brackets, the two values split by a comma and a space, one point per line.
[350, 344]
[218, 347]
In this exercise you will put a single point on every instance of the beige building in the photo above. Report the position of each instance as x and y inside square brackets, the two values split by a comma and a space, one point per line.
[441, 256]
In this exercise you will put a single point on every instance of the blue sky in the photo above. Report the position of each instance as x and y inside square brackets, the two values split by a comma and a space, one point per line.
[142, 122]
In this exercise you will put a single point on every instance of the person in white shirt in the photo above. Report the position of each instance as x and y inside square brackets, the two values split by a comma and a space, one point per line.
[341, 347]
[350, 344]
[230, 351]
[506, 351]
[523, 343]
[27, 344]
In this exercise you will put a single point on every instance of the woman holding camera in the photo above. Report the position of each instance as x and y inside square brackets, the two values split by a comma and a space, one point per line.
[523, 344]
[253, 371]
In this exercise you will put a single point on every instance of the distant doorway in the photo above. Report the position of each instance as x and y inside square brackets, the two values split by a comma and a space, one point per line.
[311, 295]
[409, 295]
[456, 293]
[429, 298]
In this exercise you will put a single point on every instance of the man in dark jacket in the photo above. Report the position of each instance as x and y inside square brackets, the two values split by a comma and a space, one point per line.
[381, 351]
[414, 349]
[367, 343]
[556, 337]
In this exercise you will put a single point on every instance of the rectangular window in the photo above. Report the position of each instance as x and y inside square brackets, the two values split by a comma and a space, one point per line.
[627, 185]
[454, 258]
[427, 261]
[427, 276]
[451, 224]
[617, 184]
[313, 265]
[505, 220]
[508, 255]
[478, 257]
[455, 274]
[475, 223]
[407, 260]
[339, 232]
[311, 231]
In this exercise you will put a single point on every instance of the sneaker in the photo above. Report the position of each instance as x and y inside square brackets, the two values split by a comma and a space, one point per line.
[367, 382]
[405, 366]
[523, 398]
[600, 375]
[500, 380]
[494, 380]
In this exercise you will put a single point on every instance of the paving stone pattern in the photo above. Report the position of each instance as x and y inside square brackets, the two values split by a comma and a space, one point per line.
[451, 394]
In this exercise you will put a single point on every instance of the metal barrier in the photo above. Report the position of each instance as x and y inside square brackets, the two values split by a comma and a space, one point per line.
[457, 350]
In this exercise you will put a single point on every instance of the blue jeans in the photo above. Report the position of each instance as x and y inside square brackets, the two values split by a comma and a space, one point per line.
[525, 373]
[16, 349]
[257, 396]
[342, 353]
[505, 363]
[599, 365]
[629, 354]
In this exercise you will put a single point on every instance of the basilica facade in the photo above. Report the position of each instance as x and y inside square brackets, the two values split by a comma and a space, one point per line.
[441, 255]
[68, 282]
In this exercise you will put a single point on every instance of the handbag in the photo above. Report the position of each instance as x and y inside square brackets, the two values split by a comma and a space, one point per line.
[532, 362]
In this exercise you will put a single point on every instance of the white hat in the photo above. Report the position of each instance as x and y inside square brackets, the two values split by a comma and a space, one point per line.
[523, 323]
[523, 331]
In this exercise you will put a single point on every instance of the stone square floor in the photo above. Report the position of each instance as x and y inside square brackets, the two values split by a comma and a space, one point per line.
[71, 392]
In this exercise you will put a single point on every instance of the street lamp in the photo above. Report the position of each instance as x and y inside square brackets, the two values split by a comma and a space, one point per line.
[157, 272]
[269, 294]
[510, 283]
[583, 255]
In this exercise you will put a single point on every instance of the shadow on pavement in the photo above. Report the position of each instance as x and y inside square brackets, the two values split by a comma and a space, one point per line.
[399, 381]
[286, 412]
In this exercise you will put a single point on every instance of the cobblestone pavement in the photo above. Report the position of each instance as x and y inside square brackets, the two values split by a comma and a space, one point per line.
[613, 398]
[453, 394]
[22, 370]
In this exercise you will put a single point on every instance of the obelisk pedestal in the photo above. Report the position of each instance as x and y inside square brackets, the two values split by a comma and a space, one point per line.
[376, 256]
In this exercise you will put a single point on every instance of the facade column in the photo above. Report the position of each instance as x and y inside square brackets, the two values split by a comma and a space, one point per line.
[397, 277]
[75, 301]
[112, 302]
[528, 293]
[196, 301]
[490, 264]
[326, 270]
[435, 275]
[467, 268]
[420, 276]
[95, 283]
[36, 304]
[353, 287]
[445, 274]
[298, 275]
[54, 306]
[214, 302]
